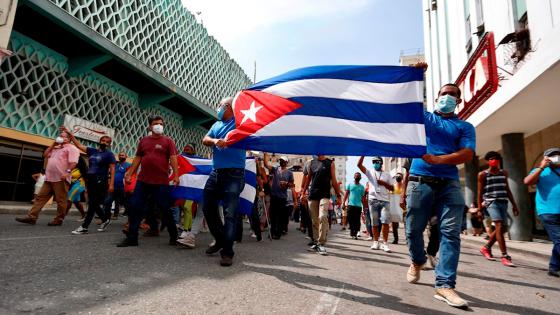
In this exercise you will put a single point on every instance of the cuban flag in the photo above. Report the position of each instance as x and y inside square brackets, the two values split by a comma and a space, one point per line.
[335, 110]
[194, 172]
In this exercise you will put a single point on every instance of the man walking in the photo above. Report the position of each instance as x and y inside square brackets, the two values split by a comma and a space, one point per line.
[493, 194]
[61, 157]
[225, 183]
[320, 172]
[547, 179]
[380, 184]
[282, 179]
[156, 153]
[354, 194]
[99, 180]
[434, 184]
[118, 196]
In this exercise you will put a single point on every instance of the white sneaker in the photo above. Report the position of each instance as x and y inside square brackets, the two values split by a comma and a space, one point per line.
[375, 245]
[433, 260]
[321, 250]
[385, 248]
[103, 226]
[189, 241]
[79, 231]
[184, 234]
[369, 238]
[253, 235]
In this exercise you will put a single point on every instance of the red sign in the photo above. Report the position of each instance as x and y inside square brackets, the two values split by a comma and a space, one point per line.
[479, 79]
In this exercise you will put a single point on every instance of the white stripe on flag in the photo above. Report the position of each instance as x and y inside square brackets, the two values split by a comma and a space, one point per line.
[193, 181]
[384, 93]
[299, 125]
[248, 193]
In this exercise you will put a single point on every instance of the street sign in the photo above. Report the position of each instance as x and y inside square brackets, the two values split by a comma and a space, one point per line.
[86, 129]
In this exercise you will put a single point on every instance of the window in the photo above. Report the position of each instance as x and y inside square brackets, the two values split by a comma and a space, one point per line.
[467, 10]
[520, 13]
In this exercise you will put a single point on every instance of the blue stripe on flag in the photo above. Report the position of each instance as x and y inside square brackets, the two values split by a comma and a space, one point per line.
[187, 193]
[329, 145]
[359, 111]
[377, 74]
[245, 207]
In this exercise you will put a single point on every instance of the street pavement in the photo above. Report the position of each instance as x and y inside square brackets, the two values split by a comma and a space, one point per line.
[45, 270]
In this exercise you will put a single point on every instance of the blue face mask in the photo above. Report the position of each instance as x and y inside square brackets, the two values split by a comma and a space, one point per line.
[221, 112]
[446, 104]
[377, 166]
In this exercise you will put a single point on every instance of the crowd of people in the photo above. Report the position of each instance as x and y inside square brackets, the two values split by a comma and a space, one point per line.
[426, 195]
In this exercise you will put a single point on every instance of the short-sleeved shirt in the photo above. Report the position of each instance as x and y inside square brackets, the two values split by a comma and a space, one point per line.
[99, 161]
[377, 191]
[155, 153]
[355, 194]
[444, 135]
[548, 192]
[59, 161]
[120, 170]
[227, 157]
[280, 175]
[320, 172]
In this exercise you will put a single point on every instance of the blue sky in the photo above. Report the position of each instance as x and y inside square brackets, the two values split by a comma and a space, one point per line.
[282, 35]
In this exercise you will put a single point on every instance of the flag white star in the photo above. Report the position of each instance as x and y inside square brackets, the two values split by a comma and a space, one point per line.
[250, 113]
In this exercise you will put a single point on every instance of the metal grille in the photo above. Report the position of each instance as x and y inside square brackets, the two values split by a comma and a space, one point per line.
[36, 93]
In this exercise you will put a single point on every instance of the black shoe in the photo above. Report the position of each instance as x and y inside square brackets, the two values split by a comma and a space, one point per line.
[172, 241]
[395, 241]
[226, 261]
[554, 273]
[259, 238]
[127, 243]
[275, 237]
[213, 249]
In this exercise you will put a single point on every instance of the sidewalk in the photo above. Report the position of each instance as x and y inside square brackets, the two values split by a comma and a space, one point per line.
[537, 248]
[21, 208]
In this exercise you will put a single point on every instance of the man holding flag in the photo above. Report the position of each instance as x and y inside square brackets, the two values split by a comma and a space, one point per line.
[225, 183]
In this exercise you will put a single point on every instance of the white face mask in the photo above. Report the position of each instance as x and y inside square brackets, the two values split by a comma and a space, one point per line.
[59, 140]
[555, 159]
[157, 129]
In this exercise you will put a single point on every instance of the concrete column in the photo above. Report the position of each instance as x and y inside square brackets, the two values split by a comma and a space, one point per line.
[513, 152]
[471, 181]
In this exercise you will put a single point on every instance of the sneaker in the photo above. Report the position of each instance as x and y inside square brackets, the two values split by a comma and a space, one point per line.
[188, 241]
[450, 297]
[506, 261]
[127, 243]
[369, 238]
[184, 234]
[53, 223]
[80, 230]
[375, 245]
[226, 261]
[355, 237]
[385, 248]
[103, 226]
[253, 235]
[212, 249]
[433, 260]
[321, 250]
[553, 273]
[487, 253]
[26, 220]
[413, 273]
[312, 248]
[82, 219]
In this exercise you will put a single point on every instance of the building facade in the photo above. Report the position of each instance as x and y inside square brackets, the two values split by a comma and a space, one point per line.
[504, 54]
[108, 64]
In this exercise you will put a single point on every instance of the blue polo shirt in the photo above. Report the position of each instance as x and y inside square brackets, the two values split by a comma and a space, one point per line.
[227, 157]
[120, 170]
[548, 192]
[99, 161]
[444, 135]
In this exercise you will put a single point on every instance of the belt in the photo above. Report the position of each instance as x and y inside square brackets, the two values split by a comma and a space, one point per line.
[428, 179]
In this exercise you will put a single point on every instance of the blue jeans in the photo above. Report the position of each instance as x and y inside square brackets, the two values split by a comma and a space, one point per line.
[223, 185]
[551, 224]
[150, 194]
[446, 200]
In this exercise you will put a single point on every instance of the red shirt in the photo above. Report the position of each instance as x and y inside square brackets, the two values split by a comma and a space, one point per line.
[155, 154]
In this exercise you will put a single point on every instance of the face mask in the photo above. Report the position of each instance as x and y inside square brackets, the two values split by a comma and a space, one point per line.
[555, 159]
[221, 112]
[102, 146]
[59, 140]
[122, 159]
[494, 163]
[377, 166]
[446, 104]
[157, 129]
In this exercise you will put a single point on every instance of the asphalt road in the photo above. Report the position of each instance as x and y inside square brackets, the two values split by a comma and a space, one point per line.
[45, 270]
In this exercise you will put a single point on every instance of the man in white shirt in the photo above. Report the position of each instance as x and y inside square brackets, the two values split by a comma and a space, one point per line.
[380, 184]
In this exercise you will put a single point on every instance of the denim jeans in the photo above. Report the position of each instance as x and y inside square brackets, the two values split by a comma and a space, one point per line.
[146, 195]
[119, 197]
[223, 185]
[446, 199]
[551, 224]
[97, 189]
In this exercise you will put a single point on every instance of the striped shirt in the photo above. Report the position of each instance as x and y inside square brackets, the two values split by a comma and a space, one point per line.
[495, 186]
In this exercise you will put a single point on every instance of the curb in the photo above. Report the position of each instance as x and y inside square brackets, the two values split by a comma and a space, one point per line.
[512, 250]
[45, 211]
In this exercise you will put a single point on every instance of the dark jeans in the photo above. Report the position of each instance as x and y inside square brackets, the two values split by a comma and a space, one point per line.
[354, 214]
[150, 194]
[551, 224]
[223, 185]
[369, 227]
[119, 197]
[277, 214]
[433, 240]
[97, 187]
[254, 218]
[306, 219]
[286, 218]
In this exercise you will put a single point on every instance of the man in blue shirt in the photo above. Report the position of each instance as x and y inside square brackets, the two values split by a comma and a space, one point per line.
[547, 179]
[99, 180]
[225, 183]
[433, 183]
[355, 193]
[118, 196]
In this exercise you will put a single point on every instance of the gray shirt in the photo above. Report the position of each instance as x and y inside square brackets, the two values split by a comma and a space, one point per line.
[280, 175]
